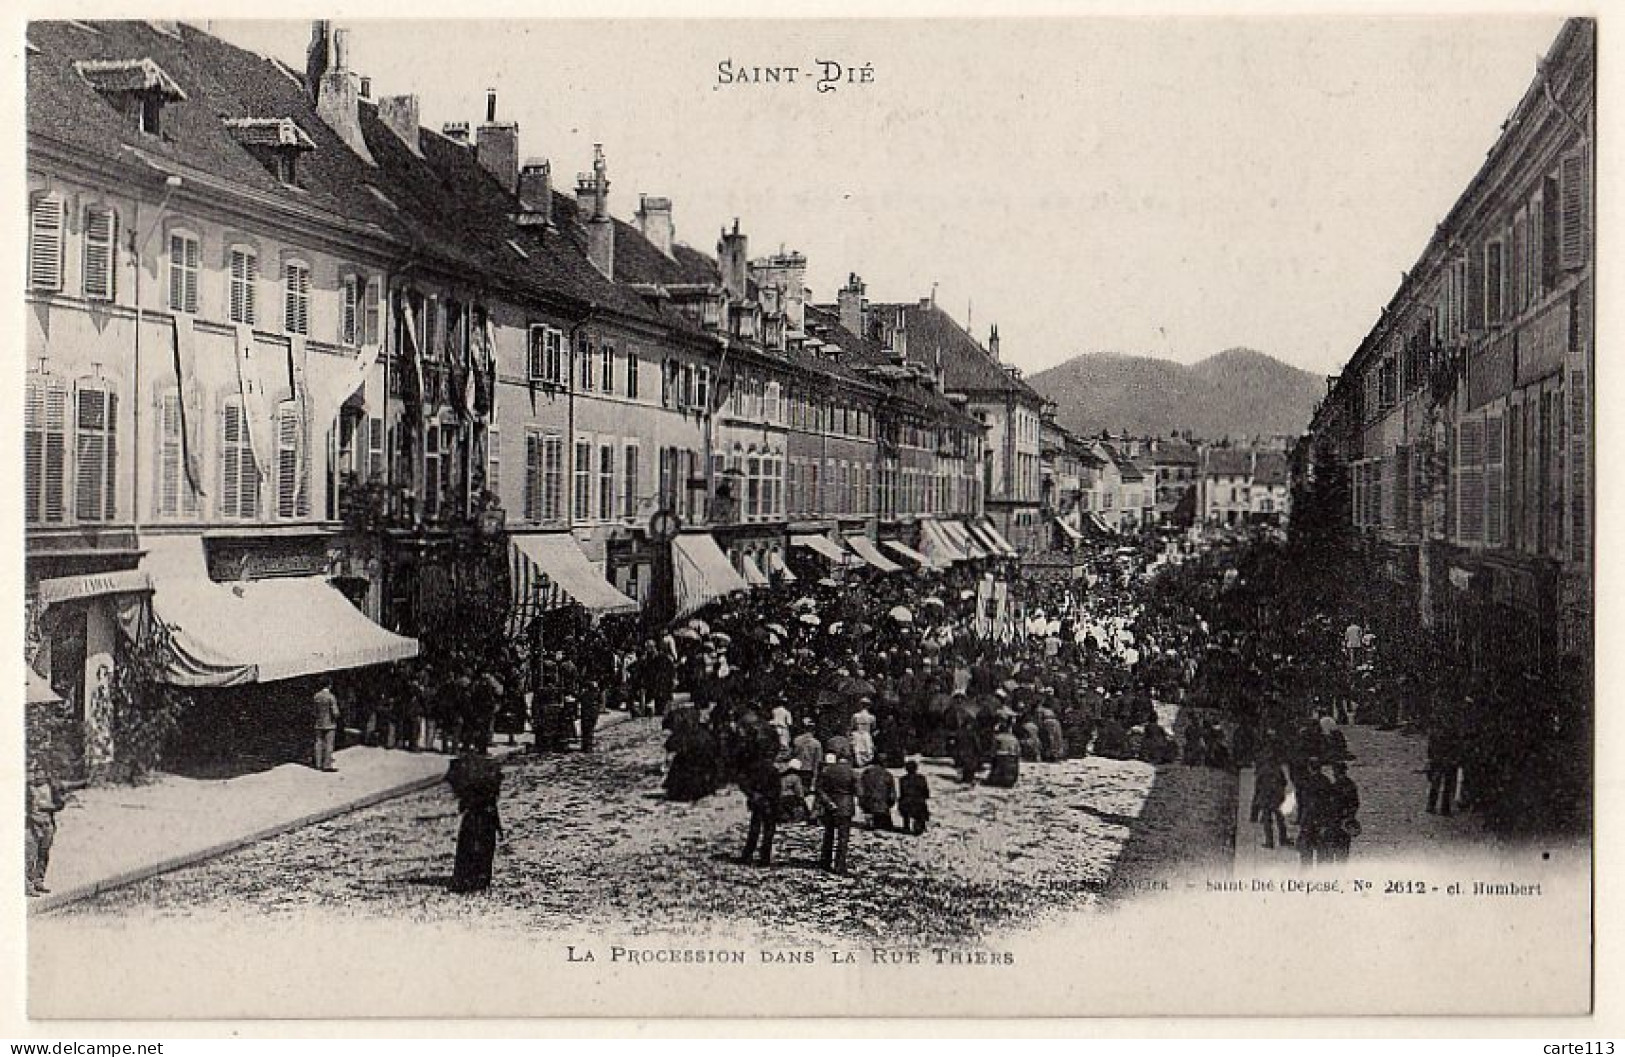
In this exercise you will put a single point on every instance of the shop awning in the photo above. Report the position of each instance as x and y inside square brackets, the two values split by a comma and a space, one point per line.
[938, 547]
[231, 634]
[1071, 533]
[821, 545]
[870, 553]
[1102, 525]
[962, 539]
[39, 690]
[68, 588]
[905, 551]
[1000, 544]
[701, 572]
[556, 559]
[751, 571]
[775, 565]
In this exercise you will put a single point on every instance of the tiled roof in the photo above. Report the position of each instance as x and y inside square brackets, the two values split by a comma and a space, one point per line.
[1226, 461]
[129, 75]
[967, 366]
[1174, 453]
[1270, 468]
[269, 132]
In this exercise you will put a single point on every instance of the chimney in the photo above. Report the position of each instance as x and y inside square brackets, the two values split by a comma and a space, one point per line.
[497, 146]
[536, 193]
[786, 272]
[654, 221]
[327, 78]
[592, 188]
[456, 131]
[399, 113]
[993, 343]
[731, 261]
[852, 304]
[899, 335]
[600, 228]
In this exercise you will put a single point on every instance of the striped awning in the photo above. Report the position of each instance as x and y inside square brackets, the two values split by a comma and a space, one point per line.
[995, 537]
[701, 573]
[905, 551]
[1067, 528]
[775, 565]
[962, 538]
[751, 571]
[546, 566]
[938, 547]
[866, 550]
[821, 545]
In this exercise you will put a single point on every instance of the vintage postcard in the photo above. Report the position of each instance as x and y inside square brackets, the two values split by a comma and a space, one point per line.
[870, 517]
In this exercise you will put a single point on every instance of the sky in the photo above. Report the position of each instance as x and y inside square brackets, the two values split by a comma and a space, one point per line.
[1164, 187]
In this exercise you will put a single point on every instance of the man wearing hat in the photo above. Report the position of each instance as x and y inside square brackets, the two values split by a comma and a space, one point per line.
[836, 793]
[807, 750]
[793, 794]
[913, 798]
[589, 708]
[761, 786]
[1341, 813]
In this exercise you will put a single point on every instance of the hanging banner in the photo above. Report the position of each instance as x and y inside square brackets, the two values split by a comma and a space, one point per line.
[298, 364]
[413, 350]
[332, 383]
[256, 402]
[191, 399]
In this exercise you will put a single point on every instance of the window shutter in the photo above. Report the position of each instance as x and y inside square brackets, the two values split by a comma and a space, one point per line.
[1551, 232]
[1494, 481]
[101, 242]
[552, 477]
[349, 316]
[1579, 465]
[46, 223]
[1470, 493]
[231, 433]
[45, 451]
[1574, 175]
[168, 497]
[493, 463]
[1494, 281]
[375, 449]
[183, 270]
[287, 464]
[244, 271]
[296, 299]
[95, 454]
[1475, 292]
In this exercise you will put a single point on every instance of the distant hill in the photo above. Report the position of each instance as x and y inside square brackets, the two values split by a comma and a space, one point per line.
[1237, 393]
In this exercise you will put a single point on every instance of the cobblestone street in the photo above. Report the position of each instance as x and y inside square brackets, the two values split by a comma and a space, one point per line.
[591, 843]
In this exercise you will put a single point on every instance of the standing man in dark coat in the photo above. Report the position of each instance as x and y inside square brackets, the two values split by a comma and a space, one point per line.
[877, 795]
[1314, 813]
[761, 785]
[836, 794]
[477, 781]
[913, 803]
[1444, 760]
[590, 707]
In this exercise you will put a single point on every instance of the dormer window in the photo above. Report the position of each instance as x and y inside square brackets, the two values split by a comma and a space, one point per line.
[138, 88]
[276, 142]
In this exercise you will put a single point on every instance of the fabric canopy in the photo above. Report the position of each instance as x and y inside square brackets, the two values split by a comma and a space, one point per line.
[775, 565]
[1102, 525]
[871, 554]
[39, 690]
[555, 559]
[821, 545]
[962, 539]
[751, 572]
[1067, 528]
[904, 550]
[231, 634]
[701, 572]
[939, 549]
[995, 537]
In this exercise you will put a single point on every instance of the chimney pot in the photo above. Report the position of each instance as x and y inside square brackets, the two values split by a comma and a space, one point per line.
[399, 113]
[654, 221]
[366, 87]
[536, 192]
[490, 106]
[327, 76]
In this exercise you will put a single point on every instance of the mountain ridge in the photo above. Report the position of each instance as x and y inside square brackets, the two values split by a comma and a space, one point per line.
[1236, 392]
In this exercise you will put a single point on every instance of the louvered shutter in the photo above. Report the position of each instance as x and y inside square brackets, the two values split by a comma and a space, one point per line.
[95, 454]
[533, 477]
[101, 241]
[1475, 291]
[1551, 231]
[375, 449]
[350, 312]
[244, 272]
[46, 452]
[296, 299]
[1575, 177]
[493, 463]
[1579, 464]
[183, 271]
[231, 428]
[45, 243]
[1470, 493]
[1494, 480]
[167, 499]
[287, 464]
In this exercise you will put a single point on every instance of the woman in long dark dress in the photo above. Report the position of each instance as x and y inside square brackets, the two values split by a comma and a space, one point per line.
[693, 772]
[477, 781]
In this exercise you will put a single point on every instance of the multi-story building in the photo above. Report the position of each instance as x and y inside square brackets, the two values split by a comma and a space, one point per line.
[1464, 419]
[1224, 493]
[1175, 461]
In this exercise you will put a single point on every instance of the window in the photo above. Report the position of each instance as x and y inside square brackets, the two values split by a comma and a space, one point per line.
[606, 482]
[1494, 282]
[546, 355]
[96, 454]
[582, 508]
[1573, 242]
[350, 312]
[375, 449]
[606, 372]
[632, 366]
[45, 243]
[296, 297]
[149, 113]
[239, 476]
[753, 486]
[584, 357]
[244, 269]
[174, 496]
[629, 482]
[101, 252]
[183, 271]
[431, 470]
[544, 476]
[45, 451]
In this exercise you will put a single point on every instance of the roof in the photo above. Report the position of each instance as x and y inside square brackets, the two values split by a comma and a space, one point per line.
[269, 132]
[1173, 452]
[967, 367]
[859, 357]
[1269, 468]
[129, 75]
[1231, 462]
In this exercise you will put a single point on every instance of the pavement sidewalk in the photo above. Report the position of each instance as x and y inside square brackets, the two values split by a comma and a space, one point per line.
[110, 836]
[1389, 770]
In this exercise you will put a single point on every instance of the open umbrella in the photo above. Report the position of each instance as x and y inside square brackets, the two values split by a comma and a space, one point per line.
[933, 601]
[810, 619]
[686, 634]
[721, 637]
[700, 626]
[901, 614]
[777, 629]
